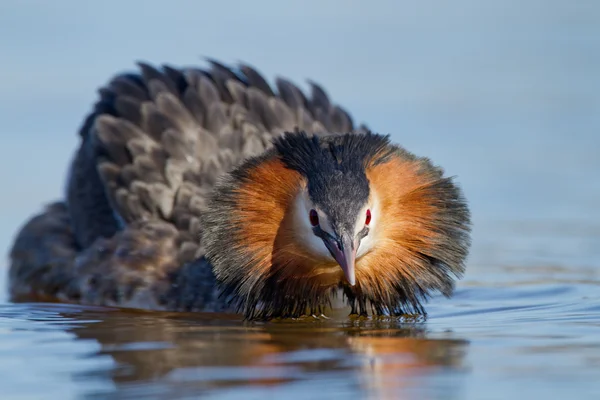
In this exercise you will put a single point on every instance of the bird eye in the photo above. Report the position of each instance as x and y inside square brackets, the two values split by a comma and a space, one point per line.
[314, 218]
[368, 218]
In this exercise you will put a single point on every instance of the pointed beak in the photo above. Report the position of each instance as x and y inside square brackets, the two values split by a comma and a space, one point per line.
[344, 252]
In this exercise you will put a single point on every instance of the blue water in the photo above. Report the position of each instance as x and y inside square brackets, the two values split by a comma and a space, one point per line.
[506, 96]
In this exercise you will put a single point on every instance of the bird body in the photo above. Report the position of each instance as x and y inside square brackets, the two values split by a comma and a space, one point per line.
[205, 190]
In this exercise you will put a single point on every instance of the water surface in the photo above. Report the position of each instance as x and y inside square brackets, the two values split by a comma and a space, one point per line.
[505, 96]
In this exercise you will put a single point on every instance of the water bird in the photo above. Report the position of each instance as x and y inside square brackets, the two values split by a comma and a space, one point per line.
[208, 189]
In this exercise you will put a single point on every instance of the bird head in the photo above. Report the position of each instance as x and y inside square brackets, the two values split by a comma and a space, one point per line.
[333, 210]
[286, 230]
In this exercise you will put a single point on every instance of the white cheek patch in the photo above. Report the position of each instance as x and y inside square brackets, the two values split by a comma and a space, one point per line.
[316, 246]
[368, 242]
[303, 228]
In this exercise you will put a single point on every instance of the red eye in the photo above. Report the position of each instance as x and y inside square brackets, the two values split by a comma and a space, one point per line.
[368, 219]
[314, 218]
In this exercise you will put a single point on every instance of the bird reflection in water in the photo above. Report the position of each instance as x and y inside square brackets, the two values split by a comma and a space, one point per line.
[183, 354]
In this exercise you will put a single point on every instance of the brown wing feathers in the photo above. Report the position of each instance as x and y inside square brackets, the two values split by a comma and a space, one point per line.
[172, 130]
[151, 150]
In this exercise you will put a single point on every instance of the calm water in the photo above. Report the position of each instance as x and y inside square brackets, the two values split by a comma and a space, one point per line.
[506, 97]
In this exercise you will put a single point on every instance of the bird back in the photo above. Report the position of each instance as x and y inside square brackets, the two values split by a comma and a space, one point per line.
[158, 140]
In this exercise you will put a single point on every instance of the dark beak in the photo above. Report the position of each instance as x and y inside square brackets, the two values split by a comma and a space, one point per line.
[344, 252]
